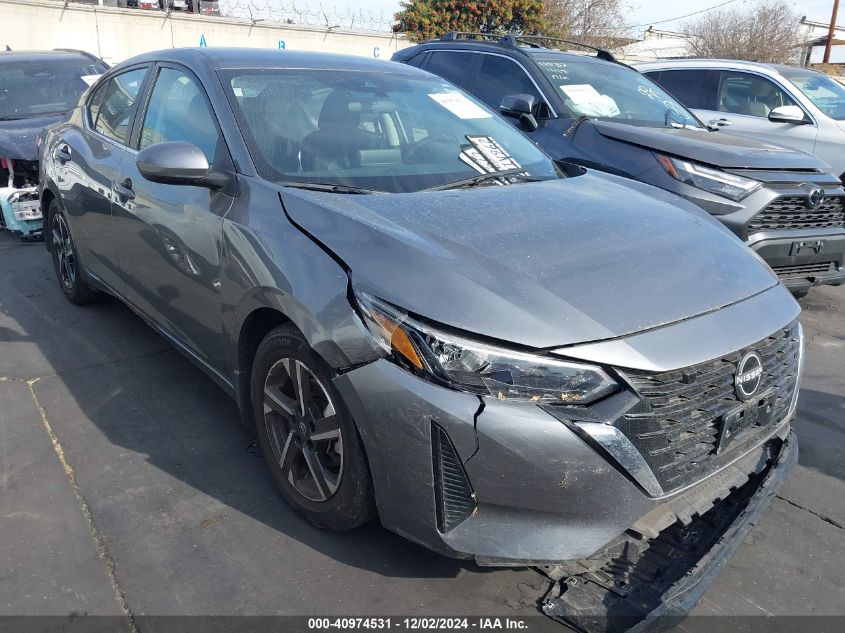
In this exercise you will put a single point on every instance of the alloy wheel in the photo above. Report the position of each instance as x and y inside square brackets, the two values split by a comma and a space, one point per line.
[304, 429]
[63, 250]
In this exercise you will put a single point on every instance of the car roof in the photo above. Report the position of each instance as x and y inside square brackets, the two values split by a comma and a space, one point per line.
[503, 48]
[230, 58]
[706, 63]
[58, 55]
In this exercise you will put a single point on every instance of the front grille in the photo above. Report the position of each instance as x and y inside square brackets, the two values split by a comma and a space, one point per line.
[802, 271]
[453, 496]
[790, 213]
[677, 433]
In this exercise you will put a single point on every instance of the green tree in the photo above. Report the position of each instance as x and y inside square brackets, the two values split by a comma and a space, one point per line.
[428, 19]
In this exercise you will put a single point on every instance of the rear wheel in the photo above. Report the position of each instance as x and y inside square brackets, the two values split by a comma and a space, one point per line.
[66, 260]
[307, 435]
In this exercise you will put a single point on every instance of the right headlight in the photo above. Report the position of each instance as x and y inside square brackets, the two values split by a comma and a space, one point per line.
[713, 180]
[479, 368]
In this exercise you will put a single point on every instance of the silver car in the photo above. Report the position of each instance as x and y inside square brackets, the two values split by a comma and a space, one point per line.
[425, 320]
[792, 106]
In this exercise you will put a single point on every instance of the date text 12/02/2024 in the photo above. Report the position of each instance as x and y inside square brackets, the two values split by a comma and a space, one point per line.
[418, 623]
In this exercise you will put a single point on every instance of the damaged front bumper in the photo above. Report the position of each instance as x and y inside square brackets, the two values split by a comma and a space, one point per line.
[650, 584]
[512, 484]
[20, 211]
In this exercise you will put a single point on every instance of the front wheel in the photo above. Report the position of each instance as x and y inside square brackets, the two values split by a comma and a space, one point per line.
[66, 260]
[308, 437]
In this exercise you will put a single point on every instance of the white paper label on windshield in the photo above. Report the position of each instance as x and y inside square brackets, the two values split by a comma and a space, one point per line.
[460, 106]
[581, 93]
[90, 79]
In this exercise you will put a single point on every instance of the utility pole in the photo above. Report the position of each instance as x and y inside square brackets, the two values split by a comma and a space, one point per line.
[830, 32]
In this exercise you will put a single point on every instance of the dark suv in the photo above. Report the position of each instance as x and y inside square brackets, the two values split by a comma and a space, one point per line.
[597, 112]
[37, 88]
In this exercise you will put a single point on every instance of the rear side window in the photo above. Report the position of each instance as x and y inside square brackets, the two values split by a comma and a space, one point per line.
[694, 88]
[451, 65]
[113, 105]
[178, 111]
[500, 76]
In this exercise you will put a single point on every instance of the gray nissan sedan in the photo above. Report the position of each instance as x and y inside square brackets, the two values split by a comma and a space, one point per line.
[427, 320]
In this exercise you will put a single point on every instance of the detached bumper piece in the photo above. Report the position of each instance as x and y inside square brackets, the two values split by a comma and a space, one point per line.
[651, 584]
[20, 211]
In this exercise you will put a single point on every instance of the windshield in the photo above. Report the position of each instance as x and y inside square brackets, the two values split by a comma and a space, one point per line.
[30, 89]
[827, 94]
[613, 92]
[373, 130]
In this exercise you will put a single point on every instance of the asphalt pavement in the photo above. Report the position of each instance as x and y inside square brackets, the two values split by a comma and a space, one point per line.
[128, 488]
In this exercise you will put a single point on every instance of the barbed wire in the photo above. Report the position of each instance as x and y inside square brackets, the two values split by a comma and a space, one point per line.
[278, 11]
[306, 14]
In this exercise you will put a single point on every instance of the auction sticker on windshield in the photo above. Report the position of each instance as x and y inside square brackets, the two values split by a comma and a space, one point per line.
[581, 93]
[460, 106]
[486, 155]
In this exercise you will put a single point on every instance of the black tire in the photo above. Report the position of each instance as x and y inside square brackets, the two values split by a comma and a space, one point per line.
[326, 480]
[66, 263]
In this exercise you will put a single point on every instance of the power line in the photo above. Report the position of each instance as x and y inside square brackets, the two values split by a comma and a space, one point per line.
[681, 17]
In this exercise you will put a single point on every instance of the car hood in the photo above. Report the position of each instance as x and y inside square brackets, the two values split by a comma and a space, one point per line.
[17, 137]
[714, 148]
[544, 264]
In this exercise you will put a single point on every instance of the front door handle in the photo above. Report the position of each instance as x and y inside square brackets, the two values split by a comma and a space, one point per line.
[62, 154]
[124, 189]
[719, 122]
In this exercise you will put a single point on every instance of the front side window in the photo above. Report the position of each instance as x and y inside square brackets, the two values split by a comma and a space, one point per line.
[827, 94]
[614, 93]
[373, 130]
[751, 95]
[499, 77]
[178, 111]
[31, 89]
[112, 107]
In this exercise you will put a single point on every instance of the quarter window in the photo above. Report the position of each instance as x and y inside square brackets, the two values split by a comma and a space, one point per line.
[178, 111]
[694, 88]
[752, 95]
[499, 77]
[113, 106]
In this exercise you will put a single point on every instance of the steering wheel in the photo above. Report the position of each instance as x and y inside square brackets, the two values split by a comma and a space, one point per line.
[428, 144]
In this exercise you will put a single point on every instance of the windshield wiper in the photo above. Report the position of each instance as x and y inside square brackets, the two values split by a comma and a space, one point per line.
[328, 187]
[518, 172]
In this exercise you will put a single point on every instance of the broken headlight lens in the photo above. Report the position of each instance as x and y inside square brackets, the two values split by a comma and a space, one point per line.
[479, 368]
[713, 180]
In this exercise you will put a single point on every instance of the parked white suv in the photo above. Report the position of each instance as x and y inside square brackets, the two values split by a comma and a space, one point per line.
[780, 104]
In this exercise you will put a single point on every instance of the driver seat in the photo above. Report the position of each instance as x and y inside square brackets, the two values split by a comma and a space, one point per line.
[338, 139]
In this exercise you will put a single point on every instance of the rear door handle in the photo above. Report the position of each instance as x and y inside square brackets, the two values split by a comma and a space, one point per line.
[62, 154]
[719, 122]
[124, 189]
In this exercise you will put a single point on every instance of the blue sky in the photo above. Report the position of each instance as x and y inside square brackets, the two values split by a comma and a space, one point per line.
[645, 11]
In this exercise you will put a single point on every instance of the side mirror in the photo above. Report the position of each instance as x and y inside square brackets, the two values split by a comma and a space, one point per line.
[520, 107]
[787, 114]
[176, 163]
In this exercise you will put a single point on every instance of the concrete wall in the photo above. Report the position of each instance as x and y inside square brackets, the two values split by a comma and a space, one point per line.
[116, 34]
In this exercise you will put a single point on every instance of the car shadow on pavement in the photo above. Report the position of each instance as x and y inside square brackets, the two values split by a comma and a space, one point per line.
[821, 432]
[120, 399]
